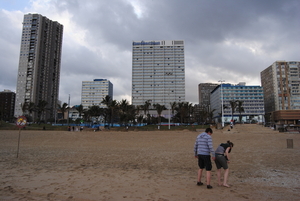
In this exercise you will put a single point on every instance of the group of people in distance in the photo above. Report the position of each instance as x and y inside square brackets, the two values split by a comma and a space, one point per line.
[203, 149]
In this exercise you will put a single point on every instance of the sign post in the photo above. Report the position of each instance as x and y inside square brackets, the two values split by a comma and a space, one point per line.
[21, 123]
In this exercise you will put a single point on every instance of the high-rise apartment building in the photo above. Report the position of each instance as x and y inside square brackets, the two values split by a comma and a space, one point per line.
[158, 72]
[93, 92]
[252, 99]
[281, 84]
[39, 66]
[7, 105]
[204, 90]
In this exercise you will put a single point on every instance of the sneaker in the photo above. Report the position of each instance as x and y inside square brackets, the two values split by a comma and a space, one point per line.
[199, 183]
[209, 186]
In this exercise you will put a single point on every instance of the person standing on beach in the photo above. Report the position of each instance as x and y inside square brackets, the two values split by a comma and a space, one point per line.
[203, 148]
[222, 160]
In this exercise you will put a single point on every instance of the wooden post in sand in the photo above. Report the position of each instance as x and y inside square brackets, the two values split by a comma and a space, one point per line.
[289, 143]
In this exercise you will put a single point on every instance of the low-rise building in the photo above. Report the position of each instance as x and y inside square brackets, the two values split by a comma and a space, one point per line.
[249, 103]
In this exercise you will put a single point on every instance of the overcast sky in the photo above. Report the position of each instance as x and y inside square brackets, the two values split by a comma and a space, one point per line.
[233, 40]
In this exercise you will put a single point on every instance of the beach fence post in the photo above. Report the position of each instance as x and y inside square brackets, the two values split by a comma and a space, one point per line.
[289, 143]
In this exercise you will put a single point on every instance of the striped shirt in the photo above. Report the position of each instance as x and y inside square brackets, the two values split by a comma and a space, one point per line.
[203, 145]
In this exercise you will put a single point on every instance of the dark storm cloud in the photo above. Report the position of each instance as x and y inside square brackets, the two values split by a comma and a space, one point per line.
[232, 40]
[9, 51]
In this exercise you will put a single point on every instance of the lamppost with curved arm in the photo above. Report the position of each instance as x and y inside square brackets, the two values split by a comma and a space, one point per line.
[222, 102]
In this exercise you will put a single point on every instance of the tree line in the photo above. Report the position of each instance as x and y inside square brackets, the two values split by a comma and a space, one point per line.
[123, 113]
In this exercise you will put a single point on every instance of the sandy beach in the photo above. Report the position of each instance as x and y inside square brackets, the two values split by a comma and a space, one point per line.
[147, 165]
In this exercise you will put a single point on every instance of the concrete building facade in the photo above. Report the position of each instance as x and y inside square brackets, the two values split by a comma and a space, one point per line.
[251, 97]
[281, 84]
[93, 92]
[39, 65]
[158, 72]
[7, 105]
[204, 90]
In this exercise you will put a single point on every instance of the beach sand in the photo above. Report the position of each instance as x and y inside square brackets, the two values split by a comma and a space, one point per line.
[145, 165]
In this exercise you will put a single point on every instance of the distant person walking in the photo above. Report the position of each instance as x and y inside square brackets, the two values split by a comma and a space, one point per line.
[203, 148]
[222, 160]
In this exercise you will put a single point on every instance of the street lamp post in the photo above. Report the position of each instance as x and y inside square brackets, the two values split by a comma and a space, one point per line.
[169, 111]
[68, 110]
[169, 118]
[222, 109]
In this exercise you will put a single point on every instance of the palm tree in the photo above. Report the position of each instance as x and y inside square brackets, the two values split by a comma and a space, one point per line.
[140, 119]
[131, 114]
[94, 111]
[24, 108]
[106, 100]
[113, 107]
[106, 111]
[86, 115]
[41, 108]
[173, 107]
[182, 110]
[79, 108]
[210, 115]
[220, 114]
[159, 108]
[240, 109]
[31, 108]
[63, 108]
[190, 110]
[127, 112]
[146, 107]
[124, 105]
[233, 105]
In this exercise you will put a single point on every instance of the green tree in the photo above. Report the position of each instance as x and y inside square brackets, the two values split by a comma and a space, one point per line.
[106, 111]
[211, 115]
[41, 108]
[140, 119]
[86, 115]
[233, 105]
[190, 110]
[124, 115]
[173, 107]
[159, 108]
[31, 108]
[24, 108]
[113, 108]
[240, 109]
[146, 108]
[63, 108]
[79, 108]
[182, 111]
[94, 111]
[106, 100]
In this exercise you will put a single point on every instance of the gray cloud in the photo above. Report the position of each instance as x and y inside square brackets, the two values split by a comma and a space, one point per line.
[231, 40]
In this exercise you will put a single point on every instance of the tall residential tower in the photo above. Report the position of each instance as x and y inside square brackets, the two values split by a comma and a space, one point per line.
[158, 72]
[93, 92]
[281, 84]
[39, 67]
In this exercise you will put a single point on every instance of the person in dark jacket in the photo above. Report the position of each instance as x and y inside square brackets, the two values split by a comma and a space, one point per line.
[222, 160]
